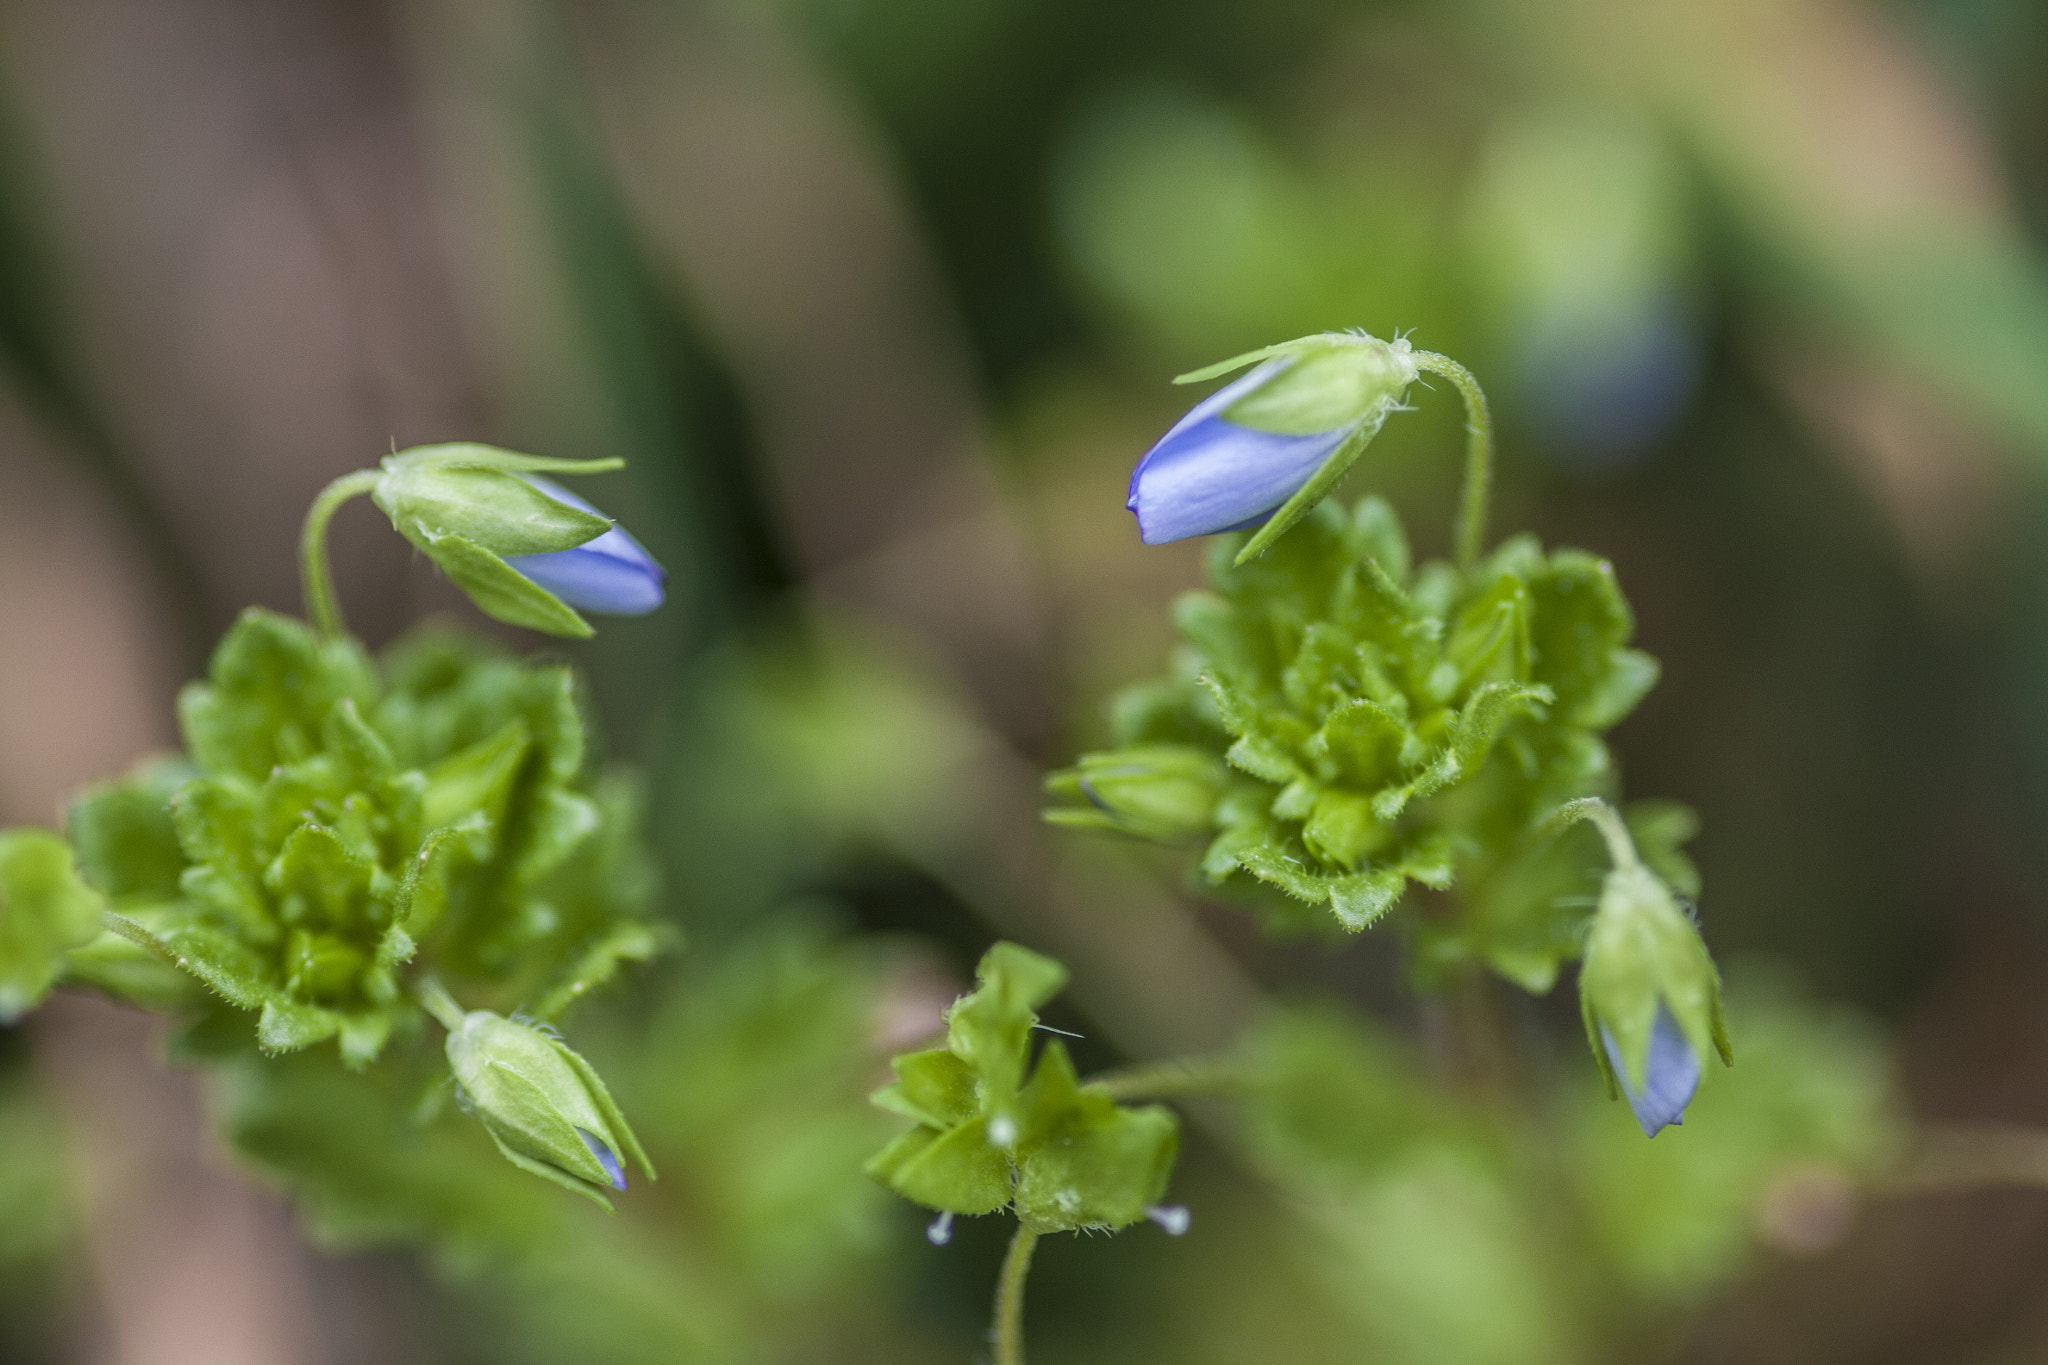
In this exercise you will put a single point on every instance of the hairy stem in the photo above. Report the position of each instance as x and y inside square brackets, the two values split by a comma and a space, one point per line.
[1008, 1332]
[1471, 528]
[434, 998]
[1621, 848]
[1217, 1075]
[322, 607]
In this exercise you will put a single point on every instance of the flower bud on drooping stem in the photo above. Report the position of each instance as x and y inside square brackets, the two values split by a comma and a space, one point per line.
[544, 1106]
[1648, 990]
[525, 550]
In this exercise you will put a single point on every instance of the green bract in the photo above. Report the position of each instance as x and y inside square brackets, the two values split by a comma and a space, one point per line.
[466, 507]
[1063, 1155]
[544, 1106]
[335, 819]
[44, 912]
[1382, 725]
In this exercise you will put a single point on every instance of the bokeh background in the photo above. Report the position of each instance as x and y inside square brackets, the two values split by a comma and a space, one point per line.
[880, 298]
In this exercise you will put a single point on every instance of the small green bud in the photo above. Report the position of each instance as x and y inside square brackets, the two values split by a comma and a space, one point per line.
[1650, 995]
[45, 911]
[544, 1106]
[1164, 792]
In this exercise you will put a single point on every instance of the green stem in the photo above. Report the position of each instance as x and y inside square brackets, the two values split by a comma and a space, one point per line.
[437, 1002]
[1008, 1332]
[322, 606]
[1471, 528]
[1620, 847]
[1171, 1079]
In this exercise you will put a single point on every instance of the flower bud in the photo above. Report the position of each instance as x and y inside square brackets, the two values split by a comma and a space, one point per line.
[1164, 792]
[1650, 996]
[543, 1105]
[524, 550]
[1250, 447]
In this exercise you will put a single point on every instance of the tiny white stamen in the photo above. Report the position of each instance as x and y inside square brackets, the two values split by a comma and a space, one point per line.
[1060, 1031]
[941, 1230]
[1002, 1131]
[1172, 1218]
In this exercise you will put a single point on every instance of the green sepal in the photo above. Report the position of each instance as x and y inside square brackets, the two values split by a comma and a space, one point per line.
[492, 457]
[1319, 486]
[46, 910]
[990, 1030]
[499, 512]
[957, 1170]
[500, 590]
[934, 1087]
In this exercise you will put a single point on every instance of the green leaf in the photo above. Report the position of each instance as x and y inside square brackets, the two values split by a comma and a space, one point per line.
[45, 911]
[268, 691]
[126, 842]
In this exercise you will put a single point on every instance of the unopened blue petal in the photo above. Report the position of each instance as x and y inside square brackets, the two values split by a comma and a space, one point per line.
[1209, 474]
[605, 1157]
[611, 575]
[1670, 1076]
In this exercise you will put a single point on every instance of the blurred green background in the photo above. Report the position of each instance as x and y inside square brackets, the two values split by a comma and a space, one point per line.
[880, 298]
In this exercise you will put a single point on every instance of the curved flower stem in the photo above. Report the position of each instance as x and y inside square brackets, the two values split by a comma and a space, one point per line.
[1471, 529]
[322, 607]
[434, 998]
[1220, 1075]
[1620, 847]
[1008, 1333]
[1971, 1156]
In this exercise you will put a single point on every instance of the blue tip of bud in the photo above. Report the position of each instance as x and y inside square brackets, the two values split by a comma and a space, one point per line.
[612, 575]
[1209, 474]
[606, 1157]
[1671, 1075]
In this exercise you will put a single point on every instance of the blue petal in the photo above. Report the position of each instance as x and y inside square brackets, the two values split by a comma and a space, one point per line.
[1208, 474]
[1670, 1076]
[605, 1157]
[612, 575]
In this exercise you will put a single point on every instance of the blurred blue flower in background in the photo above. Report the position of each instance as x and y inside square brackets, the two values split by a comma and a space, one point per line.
[612, 575]
[1670, 1077]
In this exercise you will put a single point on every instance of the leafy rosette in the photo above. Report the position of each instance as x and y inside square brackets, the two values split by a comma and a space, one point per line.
[334, 822]
[1379, 725]
[1062, 1155]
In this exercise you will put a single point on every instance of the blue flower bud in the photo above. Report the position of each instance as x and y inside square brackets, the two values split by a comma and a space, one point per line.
[1241, 453]
[1671, 1074]
[612, 575]
[1650, 995]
